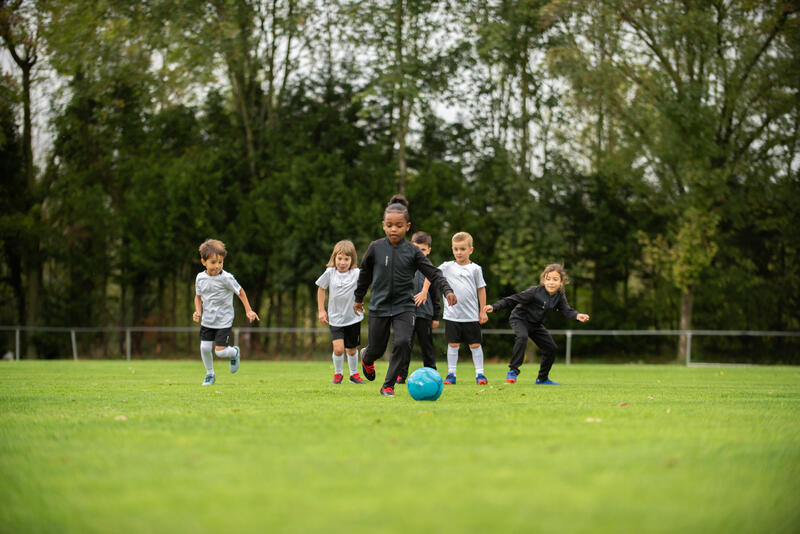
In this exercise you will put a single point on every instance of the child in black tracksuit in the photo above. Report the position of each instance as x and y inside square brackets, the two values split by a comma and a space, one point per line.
[526, 319]
[428, 312]
[389, 266]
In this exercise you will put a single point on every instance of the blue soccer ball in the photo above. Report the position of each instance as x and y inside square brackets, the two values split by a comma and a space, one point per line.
[425, 384]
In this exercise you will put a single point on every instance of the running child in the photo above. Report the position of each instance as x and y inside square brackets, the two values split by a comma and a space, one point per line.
[427, 313]
[462, 321]
[530, 308]
[213, 302]
[340, 279]
[389, 266]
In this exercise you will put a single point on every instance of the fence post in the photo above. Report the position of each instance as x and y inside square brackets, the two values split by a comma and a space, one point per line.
[688, 348]
[74, 345]
[16, 342]
[128, 344]
[569, 347]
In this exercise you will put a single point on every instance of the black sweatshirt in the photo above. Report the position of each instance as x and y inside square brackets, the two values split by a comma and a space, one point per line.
[432, 308]
[390, 269]
[533, 303]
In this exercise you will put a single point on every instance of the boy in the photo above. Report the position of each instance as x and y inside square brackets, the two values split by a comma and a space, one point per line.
[462, 321]
[427, 313]
[213, 301]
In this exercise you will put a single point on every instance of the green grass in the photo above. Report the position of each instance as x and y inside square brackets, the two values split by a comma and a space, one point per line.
[141, 447]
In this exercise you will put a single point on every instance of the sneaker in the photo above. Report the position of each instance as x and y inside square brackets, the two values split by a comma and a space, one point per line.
[209, 379]
[356, 379]
[511, 377]
[450, 380]
[401, 380]
[235, 361]
[547, 382]
[369, 370]
[481, 380]
[388, 391]
[337, 378]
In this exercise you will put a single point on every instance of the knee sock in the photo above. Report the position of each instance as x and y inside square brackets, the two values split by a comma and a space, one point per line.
[477, 359]
[452, 359]
[338, 363]
[352, 362]
[208, 359]
[227, 352]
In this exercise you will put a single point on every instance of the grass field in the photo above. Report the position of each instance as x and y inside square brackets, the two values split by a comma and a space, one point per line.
[141, 447]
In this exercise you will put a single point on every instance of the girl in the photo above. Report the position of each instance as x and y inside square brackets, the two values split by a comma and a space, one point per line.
[340, 279]
[528, 314]
[389, 266]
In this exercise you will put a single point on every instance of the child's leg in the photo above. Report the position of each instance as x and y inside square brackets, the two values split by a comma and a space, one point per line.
[520, 328]
[208, 357]
[378, 331]
[477, 358]
[403, 327]
[452, 358]
[352, 361]
[544, 341]
[424, 331]
[338, 356]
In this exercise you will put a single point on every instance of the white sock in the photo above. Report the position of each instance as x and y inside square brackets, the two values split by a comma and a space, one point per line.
[208, 358]
[352, 363]
[227, 352]
[338, 363]
[452, 359]
[477, 359]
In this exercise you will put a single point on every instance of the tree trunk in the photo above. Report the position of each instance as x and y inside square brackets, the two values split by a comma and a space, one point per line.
[685, 324]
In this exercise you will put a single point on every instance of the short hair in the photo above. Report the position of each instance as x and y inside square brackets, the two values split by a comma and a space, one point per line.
[212, 247]
[555, 267]
[348, 249]
[422, 238]
[399, 204]
[462, 236]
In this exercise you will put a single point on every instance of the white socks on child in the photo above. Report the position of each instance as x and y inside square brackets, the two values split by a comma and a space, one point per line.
[452, 359]
[208, 358]
[227, 352]
[477, 359]
[352, 363]
[338, 363]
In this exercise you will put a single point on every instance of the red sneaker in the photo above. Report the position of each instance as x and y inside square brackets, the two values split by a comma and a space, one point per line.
[337, 379]
[356, 379]
[400, 380]
[387, 391]
[369, 370]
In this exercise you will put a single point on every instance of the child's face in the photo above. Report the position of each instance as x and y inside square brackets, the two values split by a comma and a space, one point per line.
[424, 248]
[552, 282]
[395, 226]
[342, 262]
[462, 251]
[213, 264]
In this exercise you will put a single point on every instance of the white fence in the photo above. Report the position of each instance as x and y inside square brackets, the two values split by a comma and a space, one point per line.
[127, 331]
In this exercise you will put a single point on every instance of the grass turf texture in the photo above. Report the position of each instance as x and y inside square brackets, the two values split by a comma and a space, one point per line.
[142, 447]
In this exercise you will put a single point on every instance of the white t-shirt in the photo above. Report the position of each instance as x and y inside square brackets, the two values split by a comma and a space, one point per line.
[465, 281]
[341, 288]
[217, 294]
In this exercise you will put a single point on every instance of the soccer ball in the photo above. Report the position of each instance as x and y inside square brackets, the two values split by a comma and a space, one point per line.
[425, 384]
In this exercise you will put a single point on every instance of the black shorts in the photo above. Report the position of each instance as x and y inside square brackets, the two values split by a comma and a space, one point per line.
[220, 336]
[469, 333]
[350, 333]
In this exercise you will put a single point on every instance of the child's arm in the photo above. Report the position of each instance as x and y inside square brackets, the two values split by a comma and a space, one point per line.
[198, 308]
[251, 315]
[582, 317]
[321, 313]
[523, 297]
[434, 274]
[364, 279]
[482, 317]
[422, 297]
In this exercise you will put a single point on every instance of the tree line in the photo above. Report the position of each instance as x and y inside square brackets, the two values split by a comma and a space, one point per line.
[651, 147]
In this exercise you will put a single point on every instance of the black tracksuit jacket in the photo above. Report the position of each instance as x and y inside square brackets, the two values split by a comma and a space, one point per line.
[534, 303]
[390, 269]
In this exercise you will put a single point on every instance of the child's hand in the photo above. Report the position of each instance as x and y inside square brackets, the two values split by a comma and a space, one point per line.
[420, 298]
[323, 317]
[482, 318]
[196, 316]
[488, 309]
[451, 299]
[435, 324]
[582, 317]
[252, 316]
[358, 307]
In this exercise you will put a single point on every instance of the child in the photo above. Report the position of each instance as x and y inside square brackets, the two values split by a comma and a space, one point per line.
[213, 301]
[462, 322]
[528, 314]
[340, 279]
[427, 313]
[389, 266]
